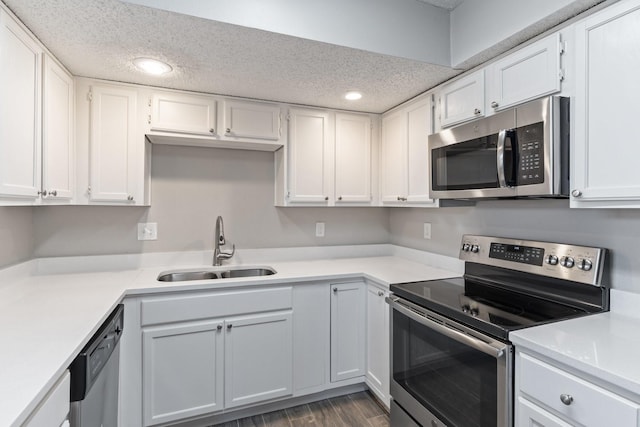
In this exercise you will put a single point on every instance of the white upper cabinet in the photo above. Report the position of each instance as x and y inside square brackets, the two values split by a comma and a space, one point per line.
[529, 73]
[353, 158]
[112, 157]
[253, 120]
[183, 113]
[58, 148]
[462, 100]
[604, 147]
[404, 155]
[20, 107]
[309, 145]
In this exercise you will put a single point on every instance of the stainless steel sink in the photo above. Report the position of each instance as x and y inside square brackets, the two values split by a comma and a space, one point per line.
[180, 276]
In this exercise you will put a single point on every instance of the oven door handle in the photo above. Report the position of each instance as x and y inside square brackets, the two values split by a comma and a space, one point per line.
[495, 349]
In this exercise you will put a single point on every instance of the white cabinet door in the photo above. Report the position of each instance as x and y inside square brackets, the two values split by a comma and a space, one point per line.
[253, 120]
[393, 158]
[311, 341]
[353, 158]
[347, 330]
[20, 106]
[529, 73]
[530, 415]
[53, 410]
[58, 160]
[112, 145]
[419, 160]
[183, 113]
[182, 371]
[378, 343]
[462, 99]
[604, 147]
[258, 358]
[308, 144]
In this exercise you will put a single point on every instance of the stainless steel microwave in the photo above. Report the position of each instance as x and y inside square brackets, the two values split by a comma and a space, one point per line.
[520, 152]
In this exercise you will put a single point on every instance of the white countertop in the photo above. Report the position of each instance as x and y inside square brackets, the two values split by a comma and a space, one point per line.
[50, 308]
[605, 346]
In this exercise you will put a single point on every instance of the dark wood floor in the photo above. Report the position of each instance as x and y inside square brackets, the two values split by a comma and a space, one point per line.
[352, 410]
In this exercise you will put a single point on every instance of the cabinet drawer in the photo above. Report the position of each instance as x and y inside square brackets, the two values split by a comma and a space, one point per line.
[218, 304]
[590, 405]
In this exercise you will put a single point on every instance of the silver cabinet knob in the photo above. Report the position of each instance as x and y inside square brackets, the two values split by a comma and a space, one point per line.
[494, 104]
[212, 130]
[402, 199]
[576, 193]
[567, 399]
[53, 193]
[477, 111]
[130, 198]
[228, 130]
[42, 193]
[229, 326]
[219, 327]
[326, 197]
[340, 198]
[380, 293]
[335, 289]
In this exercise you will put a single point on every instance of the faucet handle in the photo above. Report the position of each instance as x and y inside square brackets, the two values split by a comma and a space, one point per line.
[227, 255]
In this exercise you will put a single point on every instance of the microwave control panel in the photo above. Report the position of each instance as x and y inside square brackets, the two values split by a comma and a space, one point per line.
[530, 167]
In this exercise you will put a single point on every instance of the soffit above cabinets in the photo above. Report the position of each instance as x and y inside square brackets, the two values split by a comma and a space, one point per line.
[100, 38]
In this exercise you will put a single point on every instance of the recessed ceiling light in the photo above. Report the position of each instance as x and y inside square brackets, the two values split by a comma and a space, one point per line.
[352, 95]
[152, 66]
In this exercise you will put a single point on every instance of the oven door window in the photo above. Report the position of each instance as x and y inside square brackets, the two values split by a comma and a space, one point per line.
[456, 383]
[469, 165]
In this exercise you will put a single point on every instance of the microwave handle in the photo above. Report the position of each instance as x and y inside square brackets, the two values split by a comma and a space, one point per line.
[502, 137]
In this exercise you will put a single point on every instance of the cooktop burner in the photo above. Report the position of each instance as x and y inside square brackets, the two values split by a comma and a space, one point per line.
[512, 284]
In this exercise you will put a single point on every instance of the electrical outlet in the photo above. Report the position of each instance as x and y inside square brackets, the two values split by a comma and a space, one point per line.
[148, 231]
[427, 230]
[319, 229]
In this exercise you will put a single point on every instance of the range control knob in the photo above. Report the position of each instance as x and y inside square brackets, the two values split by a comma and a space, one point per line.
[551, 260]
[475, 249]
[567, 261]
[466, 247]
[585, 264]
[465, 308]
[474, 312]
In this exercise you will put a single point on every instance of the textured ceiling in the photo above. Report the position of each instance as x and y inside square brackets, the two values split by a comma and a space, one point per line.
[99, 38]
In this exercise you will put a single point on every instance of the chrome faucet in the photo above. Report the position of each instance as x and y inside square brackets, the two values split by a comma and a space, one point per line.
[219, 240]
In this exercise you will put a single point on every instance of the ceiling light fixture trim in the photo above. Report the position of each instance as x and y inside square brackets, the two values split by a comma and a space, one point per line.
[152, 66]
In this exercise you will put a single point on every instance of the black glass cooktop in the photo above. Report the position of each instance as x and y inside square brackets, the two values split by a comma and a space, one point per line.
[491, 309]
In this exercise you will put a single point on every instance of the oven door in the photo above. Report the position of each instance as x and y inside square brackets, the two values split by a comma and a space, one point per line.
[445, 374]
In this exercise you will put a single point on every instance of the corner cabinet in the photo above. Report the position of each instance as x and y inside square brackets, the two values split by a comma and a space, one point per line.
[327, 161]
[404, 155]
[604, 149]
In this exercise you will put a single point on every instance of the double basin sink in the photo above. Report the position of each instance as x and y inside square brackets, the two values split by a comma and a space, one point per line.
[214, 274]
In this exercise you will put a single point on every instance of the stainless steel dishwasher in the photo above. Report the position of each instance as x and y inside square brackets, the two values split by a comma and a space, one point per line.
[94, 376]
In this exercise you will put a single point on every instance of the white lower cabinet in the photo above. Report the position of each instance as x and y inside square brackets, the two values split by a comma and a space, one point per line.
[183, 371]
[377, 375]
[548, 395]
[347, 330]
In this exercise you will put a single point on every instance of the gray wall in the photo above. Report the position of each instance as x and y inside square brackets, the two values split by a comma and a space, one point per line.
[617, 230]
[16, 234]
[191, 187]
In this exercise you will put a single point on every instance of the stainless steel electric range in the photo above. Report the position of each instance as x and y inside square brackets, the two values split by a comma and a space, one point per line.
[451, 358]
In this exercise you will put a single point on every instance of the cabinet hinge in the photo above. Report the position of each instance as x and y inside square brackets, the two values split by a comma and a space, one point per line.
[288, 194]
[563, 47]
[149, 101]
[89, 191]
[149, 119]
[561, 74]
[280, 124]
[90, 96]
[288, 117]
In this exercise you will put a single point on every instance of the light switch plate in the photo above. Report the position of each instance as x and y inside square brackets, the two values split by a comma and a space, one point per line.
[319, 229]
[427, 230]
[148, 231]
